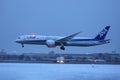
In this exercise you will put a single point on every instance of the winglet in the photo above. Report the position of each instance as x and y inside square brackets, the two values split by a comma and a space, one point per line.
[103, 33]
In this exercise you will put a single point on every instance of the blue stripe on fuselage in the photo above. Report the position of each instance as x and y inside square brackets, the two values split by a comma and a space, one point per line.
[43, 41]
[83, 40]
[33, 41]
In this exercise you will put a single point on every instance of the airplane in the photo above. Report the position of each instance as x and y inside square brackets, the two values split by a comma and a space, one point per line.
[71, 40]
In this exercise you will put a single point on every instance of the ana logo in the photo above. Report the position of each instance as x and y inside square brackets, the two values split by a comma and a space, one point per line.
[102, 32]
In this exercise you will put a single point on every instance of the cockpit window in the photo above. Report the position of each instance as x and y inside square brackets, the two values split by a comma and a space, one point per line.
[18, 37]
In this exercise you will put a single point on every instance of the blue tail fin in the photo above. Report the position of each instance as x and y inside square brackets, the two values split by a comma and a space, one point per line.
[103, 33]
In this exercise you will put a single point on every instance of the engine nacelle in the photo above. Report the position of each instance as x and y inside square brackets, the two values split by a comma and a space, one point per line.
[50, 43]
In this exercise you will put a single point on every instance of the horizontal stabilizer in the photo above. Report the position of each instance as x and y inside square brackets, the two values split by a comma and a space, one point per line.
[107, 41]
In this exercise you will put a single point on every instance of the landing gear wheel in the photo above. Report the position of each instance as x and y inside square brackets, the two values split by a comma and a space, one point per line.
[62, 48]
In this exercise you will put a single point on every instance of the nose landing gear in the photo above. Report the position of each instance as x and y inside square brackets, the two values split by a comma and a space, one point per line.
[22, 45]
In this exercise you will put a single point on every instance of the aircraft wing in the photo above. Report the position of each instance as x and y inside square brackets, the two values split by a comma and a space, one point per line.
[68, 37]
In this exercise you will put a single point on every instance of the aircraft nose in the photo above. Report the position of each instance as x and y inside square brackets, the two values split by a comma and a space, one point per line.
[17, 41]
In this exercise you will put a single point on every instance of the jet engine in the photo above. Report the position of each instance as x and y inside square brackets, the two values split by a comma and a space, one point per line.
[50, 43]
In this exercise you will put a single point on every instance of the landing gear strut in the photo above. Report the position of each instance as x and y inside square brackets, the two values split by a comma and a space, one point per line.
[62, 46]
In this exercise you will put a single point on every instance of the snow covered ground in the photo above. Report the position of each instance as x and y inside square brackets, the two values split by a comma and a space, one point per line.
[36, 71]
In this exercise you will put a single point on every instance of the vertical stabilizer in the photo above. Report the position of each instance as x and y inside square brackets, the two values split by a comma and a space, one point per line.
[103, 33]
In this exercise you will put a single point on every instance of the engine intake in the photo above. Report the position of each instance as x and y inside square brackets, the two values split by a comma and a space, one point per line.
[50, 43]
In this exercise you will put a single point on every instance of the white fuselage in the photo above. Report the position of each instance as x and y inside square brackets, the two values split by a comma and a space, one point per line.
[71, 40]
[42, 40]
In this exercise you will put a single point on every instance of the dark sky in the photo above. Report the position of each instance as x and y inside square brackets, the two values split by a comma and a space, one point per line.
[60, 18]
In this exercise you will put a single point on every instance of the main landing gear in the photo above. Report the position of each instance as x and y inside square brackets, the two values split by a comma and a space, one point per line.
[62, 48]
